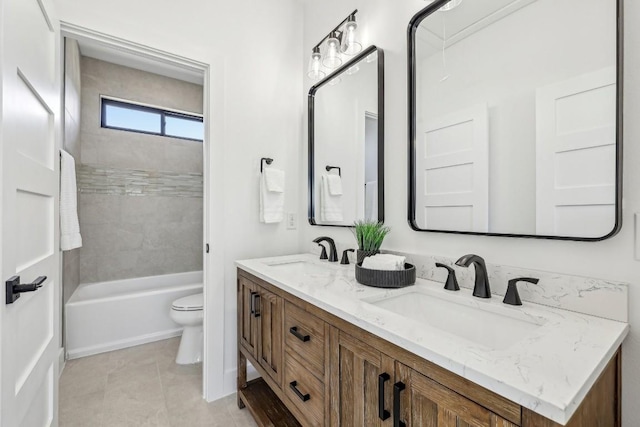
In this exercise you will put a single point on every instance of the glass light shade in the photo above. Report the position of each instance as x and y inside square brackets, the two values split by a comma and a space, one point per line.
[332, 57]
[449, 5]
[315, 71]
[352, 70]
[351, 44]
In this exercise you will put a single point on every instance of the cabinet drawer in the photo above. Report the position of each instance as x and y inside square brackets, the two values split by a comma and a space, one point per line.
[304, 390]
[304, 335]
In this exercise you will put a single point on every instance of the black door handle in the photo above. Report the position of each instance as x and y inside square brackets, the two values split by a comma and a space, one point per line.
[382, 413]
[294, 331]
[14, 288]
[294, 386]
[397, 388]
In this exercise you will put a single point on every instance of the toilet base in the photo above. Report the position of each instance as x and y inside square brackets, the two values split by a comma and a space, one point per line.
[191, 344]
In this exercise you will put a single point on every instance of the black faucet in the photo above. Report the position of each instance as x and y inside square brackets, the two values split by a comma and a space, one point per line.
[333, 252]
[481, 288]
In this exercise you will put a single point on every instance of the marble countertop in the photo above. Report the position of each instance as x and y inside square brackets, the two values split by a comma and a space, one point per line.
[549, 369]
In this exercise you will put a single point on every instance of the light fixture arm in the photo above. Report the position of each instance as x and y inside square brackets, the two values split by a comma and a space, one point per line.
[337, 28]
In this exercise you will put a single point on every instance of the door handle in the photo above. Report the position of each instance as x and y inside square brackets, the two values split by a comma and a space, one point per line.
[397, 388]
[14, 288]
[383, 414]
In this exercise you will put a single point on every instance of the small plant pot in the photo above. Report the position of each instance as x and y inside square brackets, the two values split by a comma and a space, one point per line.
[361, 255]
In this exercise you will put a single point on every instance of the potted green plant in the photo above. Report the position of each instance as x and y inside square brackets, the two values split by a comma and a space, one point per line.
[369, 235]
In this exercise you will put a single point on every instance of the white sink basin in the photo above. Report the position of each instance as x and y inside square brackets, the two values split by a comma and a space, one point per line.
[299, 267]
[464, 318]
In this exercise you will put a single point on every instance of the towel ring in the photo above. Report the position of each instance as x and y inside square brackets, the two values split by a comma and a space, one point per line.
[328, 168]
[265, 159]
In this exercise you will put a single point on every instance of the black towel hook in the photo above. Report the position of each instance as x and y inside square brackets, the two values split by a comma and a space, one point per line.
[265, 159]
[328, 168]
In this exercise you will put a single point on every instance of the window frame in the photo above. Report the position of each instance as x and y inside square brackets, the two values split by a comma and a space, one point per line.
[163, 112]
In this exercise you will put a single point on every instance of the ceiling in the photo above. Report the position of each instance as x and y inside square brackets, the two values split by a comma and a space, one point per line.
[98, 50]
[469, 17]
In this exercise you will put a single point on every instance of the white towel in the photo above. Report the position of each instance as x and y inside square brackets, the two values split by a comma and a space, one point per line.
[371, 200]
[384, 262]
[274, 178]
[330, 206]
[271, 202]
[335, 184]
[70, 237]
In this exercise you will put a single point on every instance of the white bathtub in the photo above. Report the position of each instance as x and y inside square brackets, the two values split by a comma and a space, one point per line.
[108, 316]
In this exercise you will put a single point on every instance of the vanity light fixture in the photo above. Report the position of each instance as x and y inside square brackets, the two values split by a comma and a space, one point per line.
[329, 54]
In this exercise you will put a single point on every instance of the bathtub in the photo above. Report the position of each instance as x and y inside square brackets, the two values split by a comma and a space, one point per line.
[108, 316]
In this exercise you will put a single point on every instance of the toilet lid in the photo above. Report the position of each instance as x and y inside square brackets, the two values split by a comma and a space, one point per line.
[189, 303]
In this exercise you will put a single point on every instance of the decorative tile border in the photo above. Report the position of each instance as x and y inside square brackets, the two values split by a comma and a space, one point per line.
[133, 182]
[586, 295]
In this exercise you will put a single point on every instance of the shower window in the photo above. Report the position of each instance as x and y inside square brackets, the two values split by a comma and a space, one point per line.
[127, 116]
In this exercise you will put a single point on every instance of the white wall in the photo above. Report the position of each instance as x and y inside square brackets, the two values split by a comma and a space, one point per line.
[384, 24]
[253, 49]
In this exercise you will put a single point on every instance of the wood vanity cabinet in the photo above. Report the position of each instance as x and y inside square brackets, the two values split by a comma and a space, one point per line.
[260, 326]
[319, 370]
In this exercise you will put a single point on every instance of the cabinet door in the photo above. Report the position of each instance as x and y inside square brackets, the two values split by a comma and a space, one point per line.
[360, 374]
[269, 318]
[424, 402]
[247, 331]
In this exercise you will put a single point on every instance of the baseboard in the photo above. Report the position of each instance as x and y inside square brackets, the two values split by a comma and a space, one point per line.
[118, 345]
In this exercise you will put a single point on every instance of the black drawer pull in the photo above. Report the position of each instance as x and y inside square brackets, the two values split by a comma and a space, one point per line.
[294, 331]
[397, 388]
[294, 387]
[382, 413]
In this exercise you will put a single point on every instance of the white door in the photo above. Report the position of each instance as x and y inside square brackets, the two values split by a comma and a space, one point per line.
[452, 172]
[29, 133]
[576, 156]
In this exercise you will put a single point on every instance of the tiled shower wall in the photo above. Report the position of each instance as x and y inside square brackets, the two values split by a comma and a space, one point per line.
[140, 195]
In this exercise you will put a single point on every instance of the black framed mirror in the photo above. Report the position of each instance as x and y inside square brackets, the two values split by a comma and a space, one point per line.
[346, 143]
[515, 118]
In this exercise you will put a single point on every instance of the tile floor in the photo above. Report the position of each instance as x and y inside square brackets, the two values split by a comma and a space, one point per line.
[141, 386]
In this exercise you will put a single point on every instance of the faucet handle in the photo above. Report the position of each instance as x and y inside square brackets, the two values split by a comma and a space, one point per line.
[345, 256]
[323, 254]
[512, 297]
[452, 281]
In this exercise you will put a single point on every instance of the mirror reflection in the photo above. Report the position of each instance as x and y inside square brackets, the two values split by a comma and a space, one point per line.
[514, 118]
[345, 143]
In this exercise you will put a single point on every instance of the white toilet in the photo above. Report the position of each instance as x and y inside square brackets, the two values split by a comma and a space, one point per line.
[188, 312]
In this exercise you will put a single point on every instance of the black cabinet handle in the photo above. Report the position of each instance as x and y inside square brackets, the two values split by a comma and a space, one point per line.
[295, 333]
[397, 388]
[382, 413]
[294, 386]
[255, 304]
